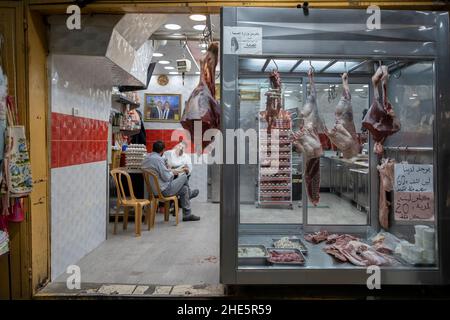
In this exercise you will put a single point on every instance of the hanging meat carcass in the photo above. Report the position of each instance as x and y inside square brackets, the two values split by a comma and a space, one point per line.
[202, 105]
[386, 171]
[307, 141]
[380, 119]
[273, 102]
[343, 134]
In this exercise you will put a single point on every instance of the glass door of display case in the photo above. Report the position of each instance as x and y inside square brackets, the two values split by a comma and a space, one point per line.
[344, 183]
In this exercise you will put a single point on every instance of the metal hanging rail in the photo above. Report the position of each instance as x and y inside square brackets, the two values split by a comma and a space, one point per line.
[408, 148]
[332, 62]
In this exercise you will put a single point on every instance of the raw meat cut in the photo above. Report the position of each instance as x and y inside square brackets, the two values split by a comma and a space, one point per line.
[307, 141]
[380, 119]
[273, 103]
[285, 256]
[202, 105]
[358, 253]
[348, 248]
[385, 242]
[343, 134]
[386, 172]
[317, 237]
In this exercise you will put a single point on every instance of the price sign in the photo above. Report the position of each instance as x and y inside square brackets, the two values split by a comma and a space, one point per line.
[242, 40]
[413, 192]
[414, 206]
[413, 177]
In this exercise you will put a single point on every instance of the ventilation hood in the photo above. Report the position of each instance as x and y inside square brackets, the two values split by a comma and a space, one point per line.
[113, 46]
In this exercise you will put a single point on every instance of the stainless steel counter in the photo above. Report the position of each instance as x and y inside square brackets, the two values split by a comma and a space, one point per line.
[316, 258]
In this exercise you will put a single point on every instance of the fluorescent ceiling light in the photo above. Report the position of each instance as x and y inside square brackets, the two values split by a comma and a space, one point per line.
[202, 45]
[199, 27]
[197, 72]
[359, 90]
[197, 17]
[169, 68]
[414, 94]
[288, 91]
[287, 95]
[173, 72]
[157, 54]
[412, 98]
[203, 51]
[172, 26]
[366, 86]
[163, 61]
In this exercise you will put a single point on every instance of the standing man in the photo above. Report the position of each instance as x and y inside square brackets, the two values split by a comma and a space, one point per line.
[167, 183]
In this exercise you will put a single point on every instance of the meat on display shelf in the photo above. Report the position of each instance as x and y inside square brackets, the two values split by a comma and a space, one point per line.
[279, 141]
[263, 188]
[264, 150]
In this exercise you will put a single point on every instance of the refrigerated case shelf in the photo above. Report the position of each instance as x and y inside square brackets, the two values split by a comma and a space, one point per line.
[270, 195]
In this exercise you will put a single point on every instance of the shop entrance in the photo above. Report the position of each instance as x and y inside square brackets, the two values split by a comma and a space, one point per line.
[104, 119]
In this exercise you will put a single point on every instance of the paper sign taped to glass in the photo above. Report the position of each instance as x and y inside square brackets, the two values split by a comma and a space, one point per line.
[413, 192]
[242, 40]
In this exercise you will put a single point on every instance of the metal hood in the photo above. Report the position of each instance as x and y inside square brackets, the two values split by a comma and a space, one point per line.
[114, 46]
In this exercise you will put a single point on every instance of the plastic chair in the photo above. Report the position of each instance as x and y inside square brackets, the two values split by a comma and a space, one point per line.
[150, 175]
[127, 202]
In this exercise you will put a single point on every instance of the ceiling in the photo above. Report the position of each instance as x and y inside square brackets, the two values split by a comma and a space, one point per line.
[171, 43]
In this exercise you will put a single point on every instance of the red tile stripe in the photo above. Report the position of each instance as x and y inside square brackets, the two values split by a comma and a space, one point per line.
[77, 140]
[153, 135]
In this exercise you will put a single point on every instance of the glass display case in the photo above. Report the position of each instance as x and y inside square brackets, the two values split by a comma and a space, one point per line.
[270, 230]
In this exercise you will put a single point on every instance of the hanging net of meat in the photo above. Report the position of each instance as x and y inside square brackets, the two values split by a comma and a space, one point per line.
[307, 141]
[343, 134]
[273, 102]
[381, 120]
[202, 105]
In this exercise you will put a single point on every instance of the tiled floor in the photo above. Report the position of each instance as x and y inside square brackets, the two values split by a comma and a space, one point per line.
[166, 255]
[331, 210]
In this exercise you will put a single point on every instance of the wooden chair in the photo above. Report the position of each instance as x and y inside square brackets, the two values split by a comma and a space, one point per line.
[127, 202]
[150, 175]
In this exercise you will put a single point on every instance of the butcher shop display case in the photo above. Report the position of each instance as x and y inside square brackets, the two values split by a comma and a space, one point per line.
[345, 147]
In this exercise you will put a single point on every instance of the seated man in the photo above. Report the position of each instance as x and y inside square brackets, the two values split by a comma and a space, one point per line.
[168, 184]
[178, 159]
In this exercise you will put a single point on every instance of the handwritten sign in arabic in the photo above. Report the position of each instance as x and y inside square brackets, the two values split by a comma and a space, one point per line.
[413, 178]
[242, 40]
[414, 206]
[413, 196]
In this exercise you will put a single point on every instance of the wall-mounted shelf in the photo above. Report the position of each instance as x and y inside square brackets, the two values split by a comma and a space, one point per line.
[124, 100]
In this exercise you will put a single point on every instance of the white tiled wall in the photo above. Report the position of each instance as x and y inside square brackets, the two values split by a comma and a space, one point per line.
[78, 224]
[72, 89]
[79, 192]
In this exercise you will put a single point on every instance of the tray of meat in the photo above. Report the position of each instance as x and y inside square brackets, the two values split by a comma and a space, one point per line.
[285, 257]
[252, 255]
[290, 243]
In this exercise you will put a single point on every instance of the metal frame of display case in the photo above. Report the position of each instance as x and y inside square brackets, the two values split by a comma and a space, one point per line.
[409, 35]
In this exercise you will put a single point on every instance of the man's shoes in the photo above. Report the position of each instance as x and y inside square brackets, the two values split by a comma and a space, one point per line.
[193, 193]
[191, 217]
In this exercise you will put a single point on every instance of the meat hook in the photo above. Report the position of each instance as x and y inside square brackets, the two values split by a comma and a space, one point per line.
[275, 64]
[311, 67]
